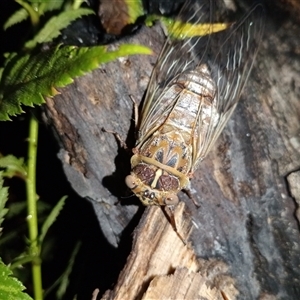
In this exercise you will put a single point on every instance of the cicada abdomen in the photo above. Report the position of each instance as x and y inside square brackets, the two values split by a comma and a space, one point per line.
[193, 90]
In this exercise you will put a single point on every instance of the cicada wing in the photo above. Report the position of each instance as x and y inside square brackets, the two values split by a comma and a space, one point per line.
[176, 56]
[229, 56]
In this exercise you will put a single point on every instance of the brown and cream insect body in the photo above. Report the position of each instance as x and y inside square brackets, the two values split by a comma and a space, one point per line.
[194, 89]
[165, 161]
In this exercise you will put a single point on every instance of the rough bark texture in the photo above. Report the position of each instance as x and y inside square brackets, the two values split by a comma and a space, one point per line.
[243, 242]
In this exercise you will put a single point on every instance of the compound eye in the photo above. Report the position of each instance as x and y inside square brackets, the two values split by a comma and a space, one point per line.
[130, 182]
[171, 199]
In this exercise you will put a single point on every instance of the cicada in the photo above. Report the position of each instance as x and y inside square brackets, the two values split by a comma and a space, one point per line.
[194, 88]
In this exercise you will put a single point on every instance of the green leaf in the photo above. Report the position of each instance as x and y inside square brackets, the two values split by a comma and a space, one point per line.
[16, 208]
[50, 5]
[13, 166]
[65, 277]
[51, 218]
[63, 281]
[10, 287]
[135, 10]
[181, 30]
[19, 16]
[55, 25]
[27, 79]
[3, 199]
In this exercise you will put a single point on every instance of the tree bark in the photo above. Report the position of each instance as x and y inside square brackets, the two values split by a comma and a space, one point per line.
[243, 242]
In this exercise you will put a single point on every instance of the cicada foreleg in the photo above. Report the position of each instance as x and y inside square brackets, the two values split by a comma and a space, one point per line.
[189, 194]
[117, 137]
[136, 118]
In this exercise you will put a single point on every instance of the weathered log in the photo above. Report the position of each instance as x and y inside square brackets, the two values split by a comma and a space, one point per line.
[244, 239]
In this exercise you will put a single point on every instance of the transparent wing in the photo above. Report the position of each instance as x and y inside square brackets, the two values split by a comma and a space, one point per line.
[228, 55]
[230, 58]
[176, 56]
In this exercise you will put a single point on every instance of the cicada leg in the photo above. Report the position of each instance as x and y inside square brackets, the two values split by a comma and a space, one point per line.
[136, 111]
[189, 194]
[136, 119]
[117, 137]
[168, 211]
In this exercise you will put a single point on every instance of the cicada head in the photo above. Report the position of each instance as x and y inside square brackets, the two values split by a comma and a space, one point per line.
[153, 186]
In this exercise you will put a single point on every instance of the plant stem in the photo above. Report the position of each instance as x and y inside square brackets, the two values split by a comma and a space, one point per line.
[76, 4]
[34, 16]
[32, 210]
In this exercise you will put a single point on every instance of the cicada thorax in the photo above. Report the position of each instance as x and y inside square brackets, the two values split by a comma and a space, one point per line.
[163, 161]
